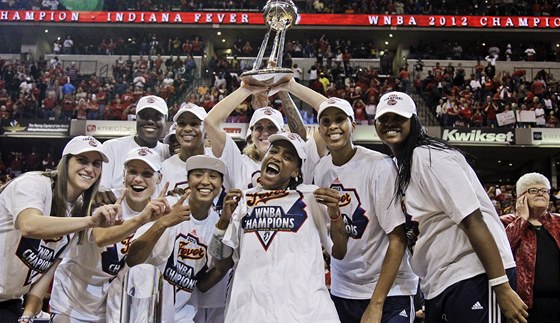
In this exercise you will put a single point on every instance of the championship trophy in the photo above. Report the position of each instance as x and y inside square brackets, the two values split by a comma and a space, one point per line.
[141, 302]
[279, 15]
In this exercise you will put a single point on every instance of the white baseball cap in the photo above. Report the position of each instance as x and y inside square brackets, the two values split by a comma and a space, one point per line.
[145, 154]
[154, 102]
[170, 133]
[292, 138]
[336, 103]
[267, 113]
[396, 102]
[199, 112]
[84, 144]
[206, 162]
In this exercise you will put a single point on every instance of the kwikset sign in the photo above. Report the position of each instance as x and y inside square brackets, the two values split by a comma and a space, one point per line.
[479, 135]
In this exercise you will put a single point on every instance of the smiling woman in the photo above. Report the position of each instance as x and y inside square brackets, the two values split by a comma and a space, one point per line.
[177, 243]
[39, 214]
[96, 265]
[439, 190]
[275, 233]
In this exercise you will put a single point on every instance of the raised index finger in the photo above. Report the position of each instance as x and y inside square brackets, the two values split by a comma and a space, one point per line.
[122, 197]
[183, 197]
[164, 190]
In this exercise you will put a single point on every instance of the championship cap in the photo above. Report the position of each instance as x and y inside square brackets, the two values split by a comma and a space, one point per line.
[336, 103]
[206, 162]
[267, 113]
[145, 154]
[396, 102]
[170, 133]
[199, 112]
[293, 138]
[84, 144]
[154, 102]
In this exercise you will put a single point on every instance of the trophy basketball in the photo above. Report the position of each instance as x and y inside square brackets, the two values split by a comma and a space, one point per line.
[279, 15]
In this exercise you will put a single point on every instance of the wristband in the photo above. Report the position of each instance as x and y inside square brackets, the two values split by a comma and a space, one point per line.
[219, 231]
[336, 218]
[498, 281]
[25, 319]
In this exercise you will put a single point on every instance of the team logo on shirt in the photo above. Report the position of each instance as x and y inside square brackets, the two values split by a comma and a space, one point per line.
[267, 215]
[253, 199]
[190, 249]
[186, 262]
[352, 212]
[113, 258]
[39, 255]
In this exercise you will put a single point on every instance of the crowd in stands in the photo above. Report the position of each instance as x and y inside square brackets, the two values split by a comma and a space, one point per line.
[477, 99]
[44, 89]
[503, 198]
[16, 163]
[403, 7]
[321, 48]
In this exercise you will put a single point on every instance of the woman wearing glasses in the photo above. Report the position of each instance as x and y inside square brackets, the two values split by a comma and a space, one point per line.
[534, 235]
[462, 254]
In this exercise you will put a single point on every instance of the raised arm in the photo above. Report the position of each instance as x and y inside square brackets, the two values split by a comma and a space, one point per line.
[309, 96]
[153, 210]
[295, 121]
[219, 113]
[141, 248]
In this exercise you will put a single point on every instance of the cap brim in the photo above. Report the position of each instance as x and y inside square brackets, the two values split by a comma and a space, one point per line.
[103, 156]
[180, 113]
[152, 166]
[407, 115]
[278, 137]
[138, 109]
[332, 106]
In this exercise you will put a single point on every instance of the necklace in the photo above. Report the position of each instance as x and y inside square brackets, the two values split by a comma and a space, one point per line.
[536, 227]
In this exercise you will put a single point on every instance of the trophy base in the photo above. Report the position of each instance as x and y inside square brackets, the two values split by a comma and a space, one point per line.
[269, 77]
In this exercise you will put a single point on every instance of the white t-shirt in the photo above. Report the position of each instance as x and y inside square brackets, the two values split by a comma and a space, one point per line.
[174, 171]
[85, 275]
[366, 185]
[181, 254]
[540, 117]
[116, 150]
[279, 273]
[25, 259]
[244, 172]
[443, 190]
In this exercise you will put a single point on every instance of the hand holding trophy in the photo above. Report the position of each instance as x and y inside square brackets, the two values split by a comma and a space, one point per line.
[279, 15]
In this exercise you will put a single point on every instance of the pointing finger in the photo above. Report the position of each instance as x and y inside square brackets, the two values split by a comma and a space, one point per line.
[122, 197]
[164, 190]
[183, 197]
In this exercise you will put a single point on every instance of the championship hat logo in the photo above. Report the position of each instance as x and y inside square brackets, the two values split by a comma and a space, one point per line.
[143, 152]
[393, 99]
[150, 99]
[268, 111]
[92, 142]
[332, 100]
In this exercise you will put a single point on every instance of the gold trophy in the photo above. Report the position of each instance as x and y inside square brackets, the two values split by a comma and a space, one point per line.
[279, 15]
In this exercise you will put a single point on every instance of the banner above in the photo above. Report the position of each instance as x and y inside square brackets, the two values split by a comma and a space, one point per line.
[254, 18]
